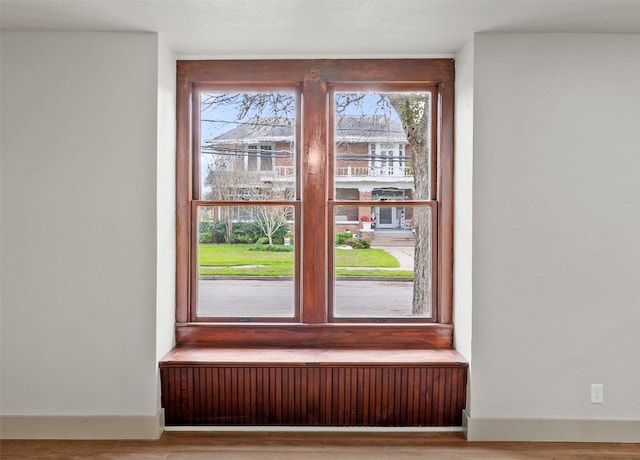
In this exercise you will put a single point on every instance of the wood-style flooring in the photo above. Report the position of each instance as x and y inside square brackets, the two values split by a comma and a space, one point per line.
[311, 446]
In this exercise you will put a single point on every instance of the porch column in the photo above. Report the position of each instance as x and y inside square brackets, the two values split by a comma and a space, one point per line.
[364, 194]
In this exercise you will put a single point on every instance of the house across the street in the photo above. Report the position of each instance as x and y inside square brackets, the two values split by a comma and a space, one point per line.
[372, 162]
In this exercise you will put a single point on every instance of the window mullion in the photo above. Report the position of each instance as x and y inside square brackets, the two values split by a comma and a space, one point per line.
[314, 198]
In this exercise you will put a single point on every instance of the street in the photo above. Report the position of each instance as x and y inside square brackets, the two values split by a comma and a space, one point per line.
[246, 298]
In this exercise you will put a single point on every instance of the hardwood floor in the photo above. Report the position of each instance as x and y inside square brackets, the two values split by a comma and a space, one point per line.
[310, 446]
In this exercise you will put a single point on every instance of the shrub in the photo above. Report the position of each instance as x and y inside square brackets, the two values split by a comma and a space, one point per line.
[205, 232]
[219, 230]
[246, 232]
[274, 248]
[365, 243]
[205, 237]
[243, 239]
[242, 232]
[341, 237]
[358, 243]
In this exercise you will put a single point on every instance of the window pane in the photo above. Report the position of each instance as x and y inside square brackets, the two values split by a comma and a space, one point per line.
[373, 152]
[252, 160]
[266, 159]
[383, 262]
[247, 143]
[246, 261]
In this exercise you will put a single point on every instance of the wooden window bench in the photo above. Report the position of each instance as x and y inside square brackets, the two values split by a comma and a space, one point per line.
[313, 387]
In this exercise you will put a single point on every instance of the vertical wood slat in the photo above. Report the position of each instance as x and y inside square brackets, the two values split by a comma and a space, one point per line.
[327, 396]
[366, 392]
[411, 388]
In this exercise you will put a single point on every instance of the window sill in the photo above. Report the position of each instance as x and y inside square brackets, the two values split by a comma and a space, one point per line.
[405, 336]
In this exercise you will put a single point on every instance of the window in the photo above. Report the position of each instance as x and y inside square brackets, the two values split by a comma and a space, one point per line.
[387, 160]
[259, 158]
[315, 203]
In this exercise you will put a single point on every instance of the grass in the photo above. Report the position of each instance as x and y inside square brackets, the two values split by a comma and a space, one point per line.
[239, 260]
[229, 255]
[376, 273]
[365, 258]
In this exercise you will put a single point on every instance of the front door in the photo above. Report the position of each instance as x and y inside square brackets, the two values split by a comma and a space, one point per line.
[386, 217]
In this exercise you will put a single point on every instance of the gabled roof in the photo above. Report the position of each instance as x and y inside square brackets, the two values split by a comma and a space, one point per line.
[349, 129]
[257, 130]
[369, 128]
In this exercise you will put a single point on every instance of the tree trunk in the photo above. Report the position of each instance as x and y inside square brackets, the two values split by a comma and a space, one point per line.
[229, 224]
[414, 113]
[422, 262]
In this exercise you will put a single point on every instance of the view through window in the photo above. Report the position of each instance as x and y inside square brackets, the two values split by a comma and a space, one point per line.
[246, 244]
[246, 251]
[384, 172]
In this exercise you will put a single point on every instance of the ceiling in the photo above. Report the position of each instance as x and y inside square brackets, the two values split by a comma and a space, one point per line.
[321, 28]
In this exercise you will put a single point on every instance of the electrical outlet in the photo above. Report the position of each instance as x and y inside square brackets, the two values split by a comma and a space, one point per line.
[597, 393]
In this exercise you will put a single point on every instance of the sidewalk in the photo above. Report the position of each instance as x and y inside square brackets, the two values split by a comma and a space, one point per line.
[403, 254]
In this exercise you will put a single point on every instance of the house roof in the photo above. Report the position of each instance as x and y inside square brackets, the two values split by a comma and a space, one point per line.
[349, 129]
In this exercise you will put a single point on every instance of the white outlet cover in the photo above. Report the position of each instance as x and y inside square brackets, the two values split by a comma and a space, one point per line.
[597, 393]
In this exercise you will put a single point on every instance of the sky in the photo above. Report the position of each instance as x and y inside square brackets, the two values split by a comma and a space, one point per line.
[222, 117]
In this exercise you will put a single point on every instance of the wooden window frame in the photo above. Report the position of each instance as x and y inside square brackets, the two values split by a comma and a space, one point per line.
[316, 79]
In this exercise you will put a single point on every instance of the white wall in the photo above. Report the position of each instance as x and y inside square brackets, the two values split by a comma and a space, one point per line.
[556, 226]
[463, 206]
[166, 199]
[79, 135]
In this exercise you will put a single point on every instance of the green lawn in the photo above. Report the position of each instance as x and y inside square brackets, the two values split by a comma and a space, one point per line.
[365, 258]
[239, 260]
[227, 255]
[378, 273]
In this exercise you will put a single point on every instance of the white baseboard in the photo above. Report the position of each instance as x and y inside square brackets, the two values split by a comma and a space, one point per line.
[313, 429]
[79, 427]
[548, 430]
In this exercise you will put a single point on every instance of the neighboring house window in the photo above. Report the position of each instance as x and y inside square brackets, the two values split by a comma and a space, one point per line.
[304, 258]
[259, 157]
[387, 159]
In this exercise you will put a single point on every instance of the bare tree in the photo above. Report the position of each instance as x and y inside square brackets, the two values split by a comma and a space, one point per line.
[228, 180]
[270, 220]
